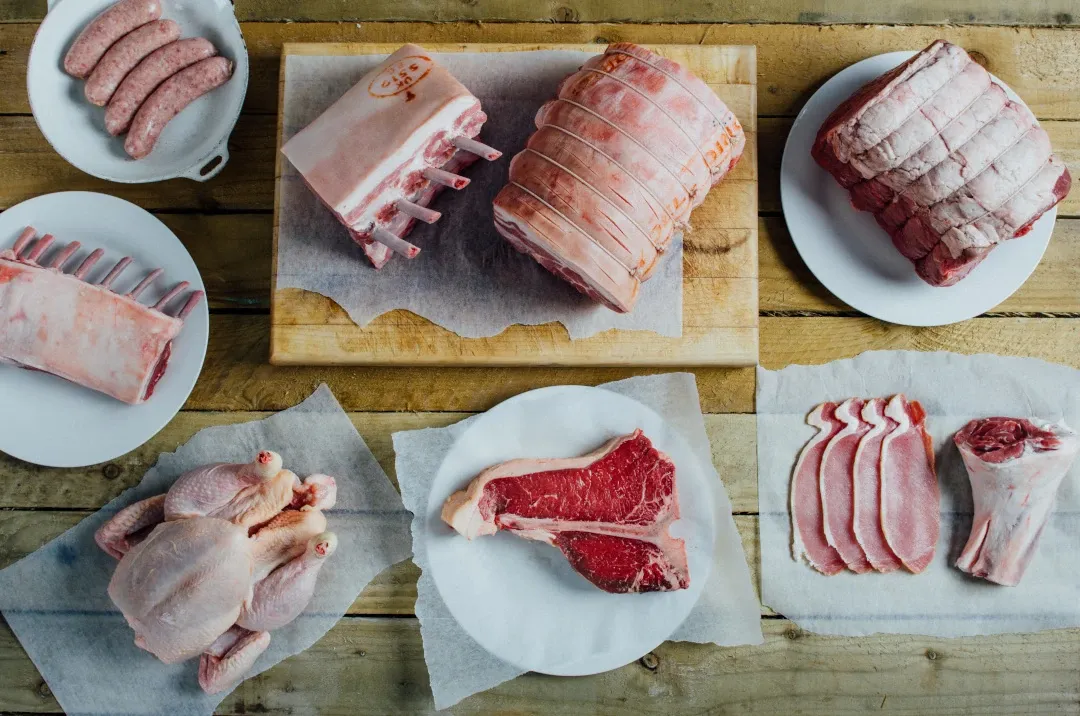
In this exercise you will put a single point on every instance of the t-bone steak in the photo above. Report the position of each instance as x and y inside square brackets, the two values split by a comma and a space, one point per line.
[947, 163]
[608, 512]
[631, 144]
[379, 154]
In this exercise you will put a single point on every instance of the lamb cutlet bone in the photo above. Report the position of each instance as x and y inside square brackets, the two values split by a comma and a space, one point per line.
[59, 323]
[417, 125]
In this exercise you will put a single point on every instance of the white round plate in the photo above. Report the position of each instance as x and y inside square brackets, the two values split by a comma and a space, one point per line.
[520, 599]
[855, 259]
[49, 421]
[191, 144]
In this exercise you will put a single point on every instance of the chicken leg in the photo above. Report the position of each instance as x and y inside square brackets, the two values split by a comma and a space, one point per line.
[230, 658]
[281, 596]
[121, 533]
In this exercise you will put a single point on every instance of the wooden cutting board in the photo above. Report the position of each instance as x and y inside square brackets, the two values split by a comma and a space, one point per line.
[720, 264]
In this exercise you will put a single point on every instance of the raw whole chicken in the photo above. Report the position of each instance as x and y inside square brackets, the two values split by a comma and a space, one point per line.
[1015, 466]
[208, 569]
[85, 332]
[379, 155]
[631, 143]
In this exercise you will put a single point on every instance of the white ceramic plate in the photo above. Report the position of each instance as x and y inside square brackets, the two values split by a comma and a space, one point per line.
[191, 144]
[855, 259]
[520, 599]
[49, 421]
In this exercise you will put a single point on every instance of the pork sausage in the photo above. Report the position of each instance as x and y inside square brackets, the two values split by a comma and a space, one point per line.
[108, 27]
[170, 98]
[156, 68]
[124, 55]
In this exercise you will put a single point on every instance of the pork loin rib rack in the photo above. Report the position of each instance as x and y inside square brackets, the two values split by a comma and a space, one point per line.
[948, 164]
[607, 511]
[632, 143]
[379, 155]
[85, 332]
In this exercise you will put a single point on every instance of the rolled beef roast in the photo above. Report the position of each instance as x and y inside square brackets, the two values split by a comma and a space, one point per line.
[947, 163]
[631, 144]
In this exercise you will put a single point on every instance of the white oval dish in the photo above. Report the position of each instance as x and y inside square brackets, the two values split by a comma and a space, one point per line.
[47, 420]
[855, 259]
[520, 599]
[193, 145]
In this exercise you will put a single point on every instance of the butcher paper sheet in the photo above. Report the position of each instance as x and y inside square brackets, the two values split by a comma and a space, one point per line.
[55, 600]
[467, 278]
[942, 601]
[727, 613]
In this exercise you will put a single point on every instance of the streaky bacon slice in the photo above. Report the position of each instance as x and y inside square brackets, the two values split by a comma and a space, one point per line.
[807, 517]
[608, 512]
[868, 481]
[910, 512]
[1015, 467]
[837, 482]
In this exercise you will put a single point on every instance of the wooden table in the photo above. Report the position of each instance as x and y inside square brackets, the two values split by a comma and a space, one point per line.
[372, 662]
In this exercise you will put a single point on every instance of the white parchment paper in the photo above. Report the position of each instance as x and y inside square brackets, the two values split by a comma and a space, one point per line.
[942, 601]
[727, 613]
[55, 600]
[467, 278]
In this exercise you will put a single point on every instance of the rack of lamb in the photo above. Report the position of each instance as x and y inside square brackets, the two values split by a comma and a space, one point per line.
[630, 145]
[947, 163]
[379, 155]
[61, 323]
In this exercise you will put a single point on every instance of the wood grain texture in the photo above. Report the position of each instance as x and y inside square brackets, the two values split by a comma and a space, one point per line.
[236, 376]
[991, 12]
[1041, 64]
[819, 340]
[376, 667]
[720, 311]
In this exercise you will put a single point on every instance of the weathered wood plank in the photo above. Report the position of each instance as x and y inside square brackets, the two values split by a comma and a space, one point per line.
[393, 592]
[236, 376]
[819, 340]
[27, 486]
[30, 167]
[1041, 64]
[376, 666]
[988, 12]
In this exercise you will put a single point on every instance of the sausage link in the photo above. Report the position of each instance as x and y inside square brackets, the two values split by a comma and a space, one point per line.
[159, 66]
[170, 98]
[108, 27]
[124, 55]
